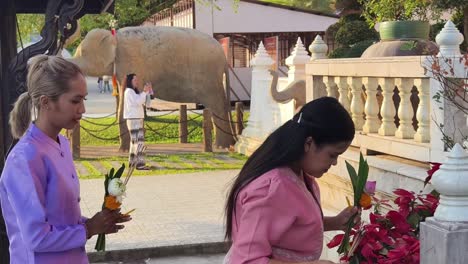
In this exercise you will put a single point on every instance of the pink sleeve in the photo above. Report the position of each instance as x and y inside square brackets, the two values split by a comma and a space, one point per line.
[265, 216]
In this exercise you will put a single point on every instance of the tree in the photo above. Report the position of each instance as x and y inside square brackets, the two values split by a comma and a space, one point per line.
[345, 7]
[457, 5]
[325, 6]
[29, 24]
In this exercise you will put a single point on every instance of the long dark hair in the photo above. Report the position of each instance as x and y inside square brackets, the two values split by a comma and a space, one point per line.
[323, 119]
[130, 84]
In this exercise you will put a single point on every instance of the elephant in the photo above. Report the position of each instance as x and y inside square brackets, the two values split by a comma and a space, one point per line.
[184, 65]
[294, 91]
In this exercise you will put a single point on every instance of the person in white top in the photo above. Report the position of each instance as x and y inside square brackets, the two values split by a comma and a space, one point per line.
[134, 114]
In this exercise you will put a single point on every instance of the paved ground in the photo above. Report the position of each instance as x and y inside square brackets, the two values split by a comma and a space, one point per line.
[197, 259]
[170, 209]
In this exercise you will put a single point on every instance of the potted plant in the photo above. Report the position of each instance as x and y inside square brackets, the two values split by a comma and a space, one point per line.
[400, 19]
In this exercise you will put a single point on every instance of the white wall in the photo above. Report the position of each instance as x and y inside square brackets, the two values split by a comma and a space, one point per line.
[254, 18]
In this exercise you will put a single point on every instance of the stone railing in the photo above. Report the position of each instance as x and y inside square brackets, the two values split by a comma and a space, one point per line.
[388, 99]
[391, 99]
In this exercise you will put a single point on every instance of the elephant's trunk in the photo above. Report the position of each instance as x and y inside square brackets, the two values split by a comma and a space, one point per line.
[295, 90]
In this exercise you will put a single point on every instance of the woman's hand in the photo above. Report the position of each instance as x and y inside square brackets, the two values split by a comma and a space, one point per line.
[147, 87]
[339, 221]
[106, 222]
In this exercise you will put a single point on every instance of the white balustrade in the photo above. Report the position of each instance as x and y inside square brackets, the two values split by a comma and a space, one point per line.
[357, 106]
[343, 91]
[405, 110]
[423, 114]
[371, 107]
[330, 85]
[387, 109]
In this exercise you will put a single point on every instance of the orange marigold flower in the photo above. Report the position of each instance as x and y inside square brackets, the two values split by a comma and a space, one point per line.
[111, 203]
[365, 202]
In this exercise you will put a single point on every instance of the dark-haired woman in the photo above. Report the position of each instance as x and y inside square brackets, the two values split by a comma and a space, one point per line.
[134, 101]
[273, 212]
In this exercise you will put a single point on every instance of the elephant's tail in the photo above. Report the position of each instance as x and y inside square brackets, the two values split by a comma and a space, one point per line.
[228, 100]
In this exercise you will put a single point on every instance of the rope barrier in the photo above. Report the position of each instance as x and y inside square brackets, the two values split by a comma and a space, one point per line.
[103, 138]
[103, 125]
[164, 136]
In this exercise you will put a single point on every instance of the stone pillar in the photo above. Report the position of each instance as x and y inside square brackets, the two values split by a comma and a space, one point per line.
[261, 119]
[449, 40]
[444, 237]
[297, 61]
[318, 48]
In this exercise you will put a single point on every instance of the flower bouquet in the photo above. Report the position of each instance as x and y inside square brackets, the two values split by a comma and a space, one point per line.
[392, 237]
[115, 190]
[363, 191]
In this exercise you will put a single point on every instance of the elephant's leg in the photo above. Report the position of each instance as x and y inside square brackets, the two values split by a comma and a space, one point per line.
[221, 118]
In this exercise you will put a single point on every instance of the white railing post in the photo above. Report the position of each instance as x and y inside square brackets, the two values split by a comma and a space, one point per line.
[330, 85]
[405, 110]
[357, 106]
[371, 107]
[297, 61]
[343, 90]
[444, 237]
[422, 114]
[260, 95]
[449, 40]
[387, 110]
[318, 48]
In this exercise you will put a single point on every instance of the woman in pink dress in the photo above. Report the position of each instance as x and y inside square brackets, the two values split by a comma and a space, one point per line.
[273, 212]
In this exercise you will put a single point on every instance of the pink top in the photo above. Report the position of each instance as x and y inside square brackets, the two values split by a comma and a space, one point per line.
[276, 217]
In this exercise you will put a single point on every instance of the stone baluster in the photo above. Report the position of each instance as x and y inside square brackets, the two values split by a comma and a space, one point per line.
[422, 114]
[371, 107]
[444, 237]
[318, 48]
[297, 61]
[449, 40]
[330, 85]
[357, 106]
[405, 110]
[387, 110]
[343, 91]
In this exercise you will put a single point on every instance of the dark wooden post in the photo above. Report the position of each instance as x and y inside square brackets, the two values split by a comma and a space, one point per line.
[7, 54]
[183, 126]
[207, 131]
[239, 117]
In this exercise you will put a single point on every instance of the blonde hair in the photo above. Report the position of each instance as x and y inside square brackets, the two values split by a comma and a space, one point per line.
[47, 76]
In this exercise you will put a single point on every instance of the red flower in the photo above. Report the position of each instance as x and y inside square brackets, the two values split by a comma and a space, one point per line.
[336, 241]
[434, 167]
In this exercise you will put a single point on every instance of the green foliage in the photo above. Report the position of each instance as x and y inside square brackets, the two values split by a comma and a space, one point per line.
[357, 49]
[353, 32]
[450, 4]
[347, 5]
[392, 10]
[339, 53]
[435, 29]
[29, 24]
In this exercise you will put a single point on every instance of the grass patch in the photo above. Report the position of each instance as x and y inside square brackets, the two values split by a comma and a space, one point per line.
[203, 161]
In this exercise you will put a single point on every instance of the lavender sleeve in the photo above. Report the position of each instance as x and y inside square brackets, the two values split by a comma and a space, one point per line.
[26, 194]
